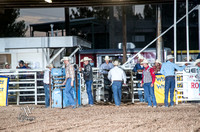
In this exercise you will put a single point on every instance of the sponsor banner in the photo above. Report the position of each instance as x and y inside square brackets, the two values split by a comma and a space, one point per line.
[159, 89]
[4, 83]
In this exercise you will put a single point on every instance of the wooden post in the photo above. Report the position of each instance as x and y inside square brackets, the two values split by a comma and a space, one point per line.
[124, 33]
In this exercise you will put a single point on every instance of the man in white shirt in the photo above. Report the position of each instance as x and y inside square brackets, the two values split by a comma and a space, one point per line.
[46, 84]
[116, 75]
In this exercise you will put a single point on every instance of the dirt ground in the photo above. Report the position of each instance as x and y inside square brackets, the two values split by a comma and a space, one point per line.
[135, 117]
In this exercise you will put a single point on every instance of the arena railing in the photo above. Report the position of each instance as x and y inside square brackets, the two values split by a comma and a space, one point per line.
[25, 86]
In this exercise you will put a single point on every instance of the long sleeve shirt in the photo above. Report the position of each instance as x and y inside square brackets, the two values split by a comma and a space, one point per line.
[136, 68]
[117, 74]
[46, 76]
[69, 71]
[168, 68]
[152, 74]
[88, 72]
[105, 68]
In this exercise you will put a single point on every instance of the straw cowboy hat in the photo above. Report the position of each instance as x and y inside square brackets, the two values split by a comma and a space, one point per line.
[49, 66]
[116, 63]
[65, 58]
[158, 61]
[106, 58]
[170, 57]
[86, 59]
[145, 61]
[197, 61]
[26, 62]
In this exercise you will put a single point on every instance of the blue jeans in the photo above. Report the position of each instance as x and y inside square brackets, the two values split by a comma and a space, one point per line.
[149, 93]
[169, 84]
[140, 96]
[89, 91]
[117, 92]
[46, 91]
[69, 92]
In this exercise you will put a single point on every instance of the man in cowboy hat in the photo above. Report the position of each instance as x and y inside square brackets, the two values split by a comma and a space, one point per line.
[138, 70]
[148, 79]
[46, 83]
[6, 65]
[157, 66]
[69, 81]
[104, 69]
[116, 75]
[168, 70]
[88, 77]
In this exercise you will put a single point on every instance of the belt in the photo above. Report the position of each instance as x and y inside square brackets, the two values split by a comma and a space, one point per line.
[170, 76]
[117, 80]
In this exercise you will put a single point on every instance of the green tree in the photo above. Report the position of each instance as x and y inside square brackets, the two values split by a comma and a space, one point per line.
[9, 27]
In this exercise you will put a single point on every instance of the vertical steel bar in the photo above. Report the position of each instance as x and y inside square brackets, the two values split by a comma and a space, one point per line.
[187, 31]
[175, 39]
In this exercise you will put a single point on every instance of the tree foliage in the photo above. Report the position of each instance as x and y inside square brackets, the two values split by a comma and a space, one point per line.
[9, 27]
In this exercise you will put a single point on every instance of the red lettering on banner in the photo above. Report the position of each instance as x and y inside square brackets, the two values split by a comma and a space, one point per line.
[194, 85]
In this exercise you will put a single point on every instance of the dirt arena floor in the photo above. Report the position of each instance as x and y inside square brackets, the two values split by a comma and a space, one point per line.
[137, 118]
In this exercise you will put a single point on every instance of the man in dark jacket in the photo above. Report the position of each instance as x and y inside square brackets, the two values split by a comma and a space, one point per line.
[88, 77]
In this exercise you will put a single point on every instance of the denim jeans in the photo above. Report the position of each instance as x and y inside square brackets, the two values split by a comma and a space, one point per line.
[149, 93]
[117, 92]
[46, 90]
[89, 91]
[140, 96]
[69, 92]
[169, 84]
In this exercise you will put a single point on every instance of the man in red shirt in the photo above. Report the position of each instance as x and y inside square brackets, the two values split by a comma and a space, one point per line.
[148, 79]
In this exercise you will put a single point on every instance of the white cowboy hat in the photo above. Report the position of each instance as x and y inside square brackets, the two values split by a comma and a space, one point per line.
[86, 59]
[26, 62]
[140, 57]
[6, 63]
[158, 61]
[116, 63]
[190, 58]
[106, 58]
[65, 58]
[49, 66]
[170, 57]
[145, 61]
[197, 61]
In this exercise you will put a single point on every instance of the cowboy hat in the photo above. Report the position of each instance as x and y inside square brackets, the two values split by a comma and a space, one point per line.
[6, 63]
[190, 58]
[197, 61]
[116, 63]
[158, 61]
[145, 61]
[140, 57]
[65, 58]
[170, 57]
[106, 58]
[86, 59]
[49, 66]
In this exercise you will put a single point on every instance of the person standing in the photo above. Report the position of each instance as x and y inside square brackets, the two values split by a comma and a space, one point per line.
[69, 81]
[168, 70]
[88, 77]
[138, 70]
[46, 84]
[157, 66]
[104, 69]
[116, 75]
[148, 79]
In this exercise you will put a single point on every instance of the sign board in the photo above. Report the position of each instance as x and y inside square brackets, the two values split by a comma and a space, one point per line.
[4, 84]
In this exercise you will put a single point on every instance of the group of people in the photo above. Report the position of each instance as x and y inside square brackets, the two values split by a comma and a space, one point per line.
[22, 65]
[115, 77]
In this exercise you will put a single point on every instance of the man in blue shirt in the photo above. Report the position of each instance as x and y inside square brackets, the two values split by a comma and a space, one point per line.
[168, 70]
[138, 70]
[104, 69]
